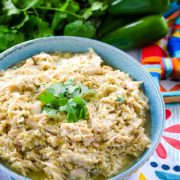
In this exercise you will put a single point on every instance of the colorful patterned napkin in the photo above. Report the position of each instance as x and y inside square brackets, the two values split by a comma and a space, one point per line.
[163, 64]
[164, 164]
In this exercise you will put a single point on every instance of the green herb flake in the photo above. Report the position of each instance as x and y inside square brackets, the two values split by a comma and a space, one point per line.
[52, 113]
[66, 98]
[121, 100]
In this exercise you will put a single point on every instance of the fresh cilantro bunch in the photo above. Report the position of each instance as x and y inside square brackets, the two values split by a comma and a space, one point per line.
[67, 98]
[22, 20]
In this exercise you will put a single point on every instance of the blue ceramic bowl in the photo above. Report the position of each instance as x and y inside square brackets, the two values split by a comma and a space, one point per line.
[113, 57]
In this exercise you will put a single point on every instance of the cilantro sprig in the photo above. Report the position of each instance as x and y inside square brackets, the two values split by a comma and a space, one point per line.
[21, 20]
[67, 98]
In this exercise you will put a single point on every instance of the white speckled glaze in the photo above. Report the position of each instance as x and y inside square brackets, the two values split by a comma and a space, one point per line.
[113, 57]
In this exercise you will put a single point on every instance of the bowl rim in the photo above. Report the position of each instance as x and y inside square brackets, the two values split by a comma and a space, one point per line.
[151, 149]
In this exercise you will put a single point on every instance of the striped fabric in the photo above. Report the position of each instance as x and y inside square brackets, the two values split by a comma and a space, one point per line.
[166, 67]
[162, 59]
[174, 41]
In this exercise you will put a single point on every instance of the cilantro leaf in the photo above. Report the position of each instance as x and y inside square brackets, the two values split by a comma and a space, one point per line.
[62, 101]
[52, 113]
[73, 6]
[97, 8]
[87, 13]
[87, 93]
[80, 28]
[58, 21]
[71, 115]
[79, 100]
[66, 98]
[22, 19]
[25, 4]
[9, 8]
[48, 98]
[56, 89]
[38, 26]
[85, 112]
[9, 37]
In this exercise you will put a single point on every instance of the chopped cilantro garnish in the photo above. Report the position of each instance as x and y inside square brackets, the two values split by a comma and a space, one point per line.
[67, 98]
[121, 100]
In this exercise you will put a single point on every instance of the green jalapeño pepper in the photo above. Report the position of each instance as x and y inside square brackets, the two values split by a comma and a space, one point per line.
[113, 22]
[138, 33]
[138, 6]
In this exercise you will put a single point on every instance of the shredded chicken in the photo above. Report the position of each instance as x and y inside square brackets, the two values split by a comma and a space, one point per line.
[114, 134]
